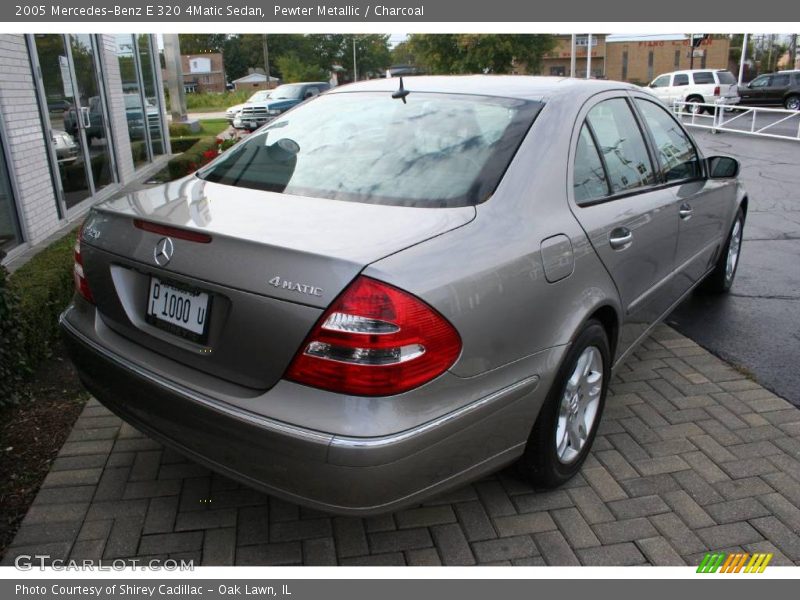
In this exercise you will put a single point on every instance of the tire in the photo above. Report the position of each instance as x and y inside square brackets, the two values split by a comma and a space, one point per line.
[550, 459]
[720, 280]
[693, 107]
[792, 103]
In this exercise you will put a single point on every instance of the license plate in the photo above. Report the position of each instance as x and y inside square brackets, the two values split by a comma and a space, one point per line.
[180, 311]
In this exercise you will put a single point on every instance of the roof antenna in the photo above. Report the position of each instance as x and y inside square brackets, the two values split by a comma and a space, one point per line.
[402, 92]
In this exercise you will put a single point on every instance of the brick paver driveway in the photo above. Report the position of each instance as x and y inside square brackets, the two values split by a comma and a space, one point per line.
[691, 456]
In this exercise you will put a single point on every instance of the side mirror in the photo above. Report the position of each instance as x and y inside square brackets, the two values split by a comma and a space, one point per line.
[722, 167]
[307, 95]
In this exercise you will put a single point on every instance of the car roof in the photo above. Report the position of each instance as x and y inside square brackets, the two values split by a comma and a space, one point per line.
[507, 86]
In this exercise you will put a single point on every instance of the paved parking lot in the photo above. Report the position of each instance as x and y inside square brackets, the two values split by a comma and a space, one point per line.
[691, 456]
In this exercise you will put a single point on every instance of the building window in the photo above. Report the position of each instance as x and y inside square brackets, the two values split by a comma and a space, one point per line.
[558, 71]
[650, 65]
[625, 65]
[583, 40]
[9, 228]
[677, 59]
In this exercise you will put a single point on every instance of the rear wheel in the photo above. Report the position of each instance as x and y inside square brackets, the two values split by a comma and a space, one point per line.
[792, 103]
[565, 429]
[721, 278]
[694, 105]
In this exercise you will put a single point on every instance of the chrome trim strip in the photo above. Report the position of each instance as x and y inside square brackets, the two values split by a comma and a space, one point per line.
[349, 442]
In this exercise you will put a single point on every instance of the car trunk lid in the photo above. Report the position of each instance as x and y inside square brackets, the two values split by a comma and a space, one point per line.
[269, 265]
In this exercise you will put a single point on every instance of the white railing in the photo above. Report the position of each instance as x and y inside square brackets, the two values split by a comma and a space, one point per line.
[750, 120]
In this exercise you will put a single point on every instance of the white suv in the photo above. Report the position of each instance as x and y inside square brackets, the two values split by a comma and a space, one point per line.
[700, 86]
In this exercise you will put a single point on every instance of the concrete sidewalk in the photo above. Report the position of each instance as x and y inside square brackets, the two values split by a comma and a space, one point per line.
[691, 456]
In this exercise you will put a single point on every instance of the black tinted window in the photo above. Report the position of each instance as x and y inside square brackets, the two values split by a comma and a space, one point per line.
[780, 80]
[436, 150]
[726, 77]
[703, 77]
[621, 144]
[676, 155]
[589, 178]
[682, 79]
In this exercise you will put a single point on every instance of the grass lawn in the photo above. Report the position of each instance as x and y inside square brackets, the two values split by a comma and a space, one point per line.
[212, 126]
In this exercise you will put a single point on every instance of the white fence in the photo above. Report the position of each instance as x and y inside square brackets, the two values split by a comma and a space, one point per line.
[750, 120]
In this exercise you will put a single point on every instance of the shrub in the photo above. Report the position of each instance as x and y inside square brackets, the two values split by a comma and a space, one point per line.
[12, 365]
[184, 143]
[192, 159]
[30, 301]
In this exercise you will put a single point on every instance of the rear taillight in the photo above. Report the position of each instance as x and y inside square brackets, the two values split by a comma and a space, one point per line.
[716, 91]
[375, 340]
[81, 283]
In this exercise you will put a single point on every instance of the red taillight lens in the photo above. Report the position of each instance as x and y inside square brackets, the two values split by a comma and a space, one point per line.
[81, 283]
[375, 340]
[716, 91]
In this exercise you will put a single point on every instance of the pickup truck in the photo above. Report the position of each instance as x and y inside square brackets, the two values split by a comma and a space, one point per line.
[254, 114]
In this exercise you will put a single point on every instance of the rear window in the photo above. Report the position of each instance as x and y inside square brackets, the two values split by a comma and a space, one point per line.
[681, 79]
[726, 77]
[703, 77]
[436, 150]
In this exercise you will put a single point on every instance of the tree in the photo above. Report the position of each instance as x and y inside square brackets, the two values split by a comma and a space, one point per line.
[478, 53]
[294, 69]
[198, 43]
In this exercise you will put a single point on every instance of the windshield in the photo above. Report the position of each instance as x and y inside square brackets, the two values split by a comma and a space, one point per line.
[286, 92]
[438, 150]
[258, 97]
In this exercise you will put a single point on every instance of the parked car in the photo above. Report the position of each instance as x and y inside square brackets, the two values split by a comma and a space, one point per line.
[93, 116]
[254, 114]
[402, 286]
[699, 86]
[65, 147]
[135, 117]
[259, 96]
[773, 89]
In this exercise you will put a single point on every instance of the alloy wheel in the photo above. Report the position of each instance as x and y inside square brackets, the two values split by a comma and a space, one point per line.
[579, 405]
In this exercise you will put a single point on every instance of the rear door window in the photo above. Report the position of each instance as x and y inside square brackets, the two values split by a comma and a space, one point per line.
[677, 156]
[780, 81]
[589, 177]
[621, 145]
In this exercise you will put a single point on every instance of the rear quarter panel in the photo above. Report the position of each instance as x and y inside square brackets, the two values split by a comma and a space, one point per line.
[487, 278]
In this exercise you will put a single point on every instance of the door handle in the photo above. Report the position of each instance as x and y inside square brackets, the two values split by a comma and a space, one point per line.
[85, 118]
[685, 211]
[620, 238]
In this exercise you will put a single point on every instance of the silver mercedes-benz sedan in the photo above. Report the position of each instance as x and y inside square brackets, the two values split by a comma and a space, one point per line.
[397, 287]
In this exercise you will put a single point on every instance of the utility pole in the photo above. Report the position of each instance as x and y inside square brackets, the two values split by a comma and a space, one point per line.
[589, 56]
[266, 60]
[355, 66]
[572, 59]
[743, 59]
[691, 51]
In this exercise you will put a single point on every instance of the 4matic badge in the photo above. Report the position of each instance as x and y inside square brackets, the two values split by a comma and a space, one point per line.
[303, 288]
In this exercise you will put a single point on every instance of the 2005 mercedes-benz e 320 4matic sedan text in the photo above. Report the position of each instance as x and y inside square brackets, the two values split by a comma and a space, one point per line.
[395, 288]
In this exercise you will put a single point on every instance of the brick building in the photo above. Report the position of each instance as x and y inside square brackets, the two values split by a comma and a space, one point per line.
[641, 58]
[203, 72]
[557, 62]
[80, 116]
[633, 58]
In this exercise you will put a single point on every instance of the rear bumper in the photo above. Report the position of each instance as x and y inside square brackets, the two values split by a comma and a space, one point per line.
[334, 473]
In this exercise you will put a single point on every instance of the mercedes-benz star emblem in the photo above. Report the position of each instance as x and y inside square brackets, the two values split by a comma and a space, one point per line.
[162, 253]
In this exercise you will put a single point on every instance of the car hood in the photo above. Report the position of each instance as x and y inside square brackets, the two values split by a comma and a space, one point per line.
[235, 108]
